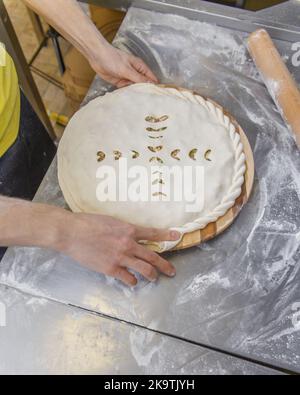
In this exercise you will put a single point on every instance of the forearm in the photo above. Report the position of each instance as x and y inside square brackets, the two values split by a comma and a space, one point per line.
[68, 19]
[24, 223]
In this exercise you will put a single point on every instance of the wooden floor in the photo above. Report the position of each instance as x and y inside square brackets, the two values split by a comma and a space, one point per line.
[53, 97]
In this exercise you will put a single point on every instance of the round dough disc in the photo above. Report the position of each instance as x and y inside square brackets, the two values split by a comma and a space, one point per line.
[132, 127]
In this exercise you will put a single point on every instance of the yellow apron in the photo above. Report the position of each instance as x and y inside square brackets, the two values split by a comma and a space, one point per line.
[9, 102]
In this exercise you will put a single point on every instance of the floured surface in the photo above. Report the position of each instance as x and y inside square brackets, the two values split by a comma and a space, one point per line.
[241, 290]
[53, 338]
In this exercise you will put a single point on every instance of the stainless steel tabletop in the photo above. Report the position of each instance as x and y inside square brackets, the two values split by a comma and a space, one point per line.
[239, 293]
[48, 337]
[285, 13]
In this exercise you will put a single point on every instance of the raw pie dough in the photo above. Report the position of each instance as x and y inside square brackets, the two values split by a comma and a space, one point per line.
[196, 132]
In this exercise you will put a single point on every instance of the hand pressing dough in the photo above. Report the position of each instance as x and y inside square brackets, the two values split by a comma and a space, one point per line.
[157, 128]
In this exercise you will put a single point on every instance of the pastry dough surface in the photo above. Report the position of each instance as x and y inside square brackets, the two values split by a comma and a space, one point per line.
[196, 132]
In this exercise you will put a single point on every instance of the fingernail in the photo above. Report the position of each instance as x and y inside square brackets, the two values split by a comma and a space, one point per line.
[172, 273]
[175, 235]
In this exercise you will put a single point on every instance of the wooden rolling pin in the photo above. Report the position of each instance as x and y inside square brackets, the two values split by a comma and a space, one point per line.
[280, 83]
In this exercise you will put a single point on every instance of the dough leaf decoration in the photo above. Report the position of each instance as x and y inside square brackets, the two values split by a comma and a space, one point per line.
[193, 153]
[206, 155]
[175, 153]
[155, 137]
[157, 130]
[158, 181]
[135, 154]
[117, 155]
[101, 156]
[156, 119]
[155, 149]
[156, 159]
[156, 194]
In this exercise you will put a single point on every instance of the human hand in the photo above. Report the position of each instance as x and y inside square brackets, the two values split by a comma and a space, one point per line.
[113, 65]
[110, 246]
[101, 243]
[121, 69]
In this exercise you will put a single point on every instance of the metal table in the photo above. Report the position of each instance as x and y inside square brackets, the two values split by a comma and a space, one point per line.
[54, 338]
[234, 306]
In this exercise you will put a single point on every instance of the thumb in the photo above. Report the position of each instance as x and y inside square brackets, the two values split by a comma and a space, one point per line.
[154, 234]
